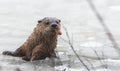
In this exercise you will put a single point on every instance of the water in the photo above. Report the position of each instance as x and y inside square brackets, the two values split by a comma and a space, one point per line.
[19, 17]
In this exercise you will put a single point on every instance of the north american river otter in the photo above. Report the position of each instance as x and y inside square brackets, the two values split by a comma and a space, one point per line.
[41, 43]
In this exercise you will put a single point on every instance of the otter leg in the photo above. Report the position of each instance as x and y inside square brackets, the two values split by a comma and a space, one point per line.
[38, 54]
[8, 53]
[37, 57]
[26, 58]
[19, 52]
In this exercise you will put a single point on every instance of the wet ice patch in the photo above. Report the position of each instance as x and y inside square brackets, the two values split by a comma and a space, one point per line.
[92, 44]
[115, 8]
[65, 68]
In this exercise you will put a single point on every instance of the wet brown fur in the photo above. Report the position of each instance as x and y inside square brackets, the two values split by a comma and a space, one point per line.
[39, 45]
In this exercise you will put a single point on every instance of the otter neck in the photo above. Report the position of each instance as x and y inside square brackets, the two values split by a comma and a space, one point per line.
[49, 38]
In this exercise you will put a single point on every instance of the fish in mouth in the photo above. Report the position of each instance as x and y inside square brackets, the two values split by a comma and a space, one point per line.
[58, 31]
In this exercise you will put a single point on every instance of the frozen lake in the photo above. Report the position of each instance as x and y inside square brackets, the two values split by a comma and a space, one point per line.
[19, 17]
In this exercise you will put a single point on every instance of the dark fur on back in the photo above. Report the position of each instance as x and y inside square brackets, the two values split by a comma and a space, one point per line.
[41, 43]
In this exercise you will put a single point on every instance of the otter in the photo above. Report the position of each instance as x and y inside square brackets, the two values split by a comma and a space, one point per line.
[41, 43]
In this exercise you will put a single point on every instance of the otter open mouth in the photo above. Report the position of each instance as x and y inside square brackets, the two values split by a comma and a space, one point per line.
[58, 31]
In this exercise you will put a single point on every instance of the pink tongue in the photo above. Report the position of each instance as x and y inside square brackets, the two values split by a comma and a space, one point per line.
[58, 31]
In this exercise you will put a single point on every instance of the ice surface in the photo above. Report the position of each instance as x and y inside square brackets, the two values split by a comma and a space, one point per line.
[19, 17]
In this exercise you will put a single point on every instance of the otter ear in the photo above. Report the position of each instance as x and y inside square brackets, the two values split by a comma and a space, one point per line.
[39, 21]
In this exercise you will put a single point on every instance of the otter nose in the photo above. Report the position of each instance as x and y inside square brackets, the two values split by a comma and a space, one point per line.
[54, 25]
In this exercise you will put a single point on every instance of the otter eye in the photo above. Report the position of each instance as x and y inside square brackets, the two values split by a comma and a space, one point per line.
[57, 22]
[47, 23]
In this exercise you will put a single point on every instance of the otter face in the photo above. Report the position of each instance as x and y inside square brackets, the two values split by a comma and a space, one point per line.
[51, 24]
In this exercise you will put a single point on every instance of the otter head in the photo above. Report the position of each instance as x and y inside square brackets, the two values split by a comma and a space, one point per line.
[51, 24]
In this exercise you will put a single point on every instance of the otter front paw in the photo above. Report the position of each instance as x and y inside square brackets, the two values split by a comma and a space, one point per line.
[7, 53]
[25, 58]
